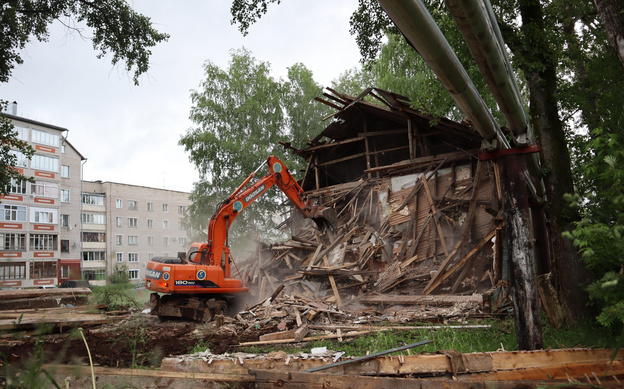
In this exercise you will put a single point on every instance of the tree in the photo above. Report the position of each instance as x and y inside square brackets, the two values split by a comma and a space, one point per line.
[612, 16]
[9, 175]
[117, 29]
[239, 123]
[303, 115]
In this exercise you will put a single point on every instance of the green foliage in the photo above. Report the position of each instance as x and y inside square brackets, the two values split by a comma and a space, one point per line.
[9, 142]
[116, 28]
[241, 115]
[117, 294]
[135, 337]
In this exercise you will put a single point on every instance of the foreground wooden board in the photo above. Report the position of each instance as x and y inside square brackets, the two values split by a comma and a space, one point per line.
[491, 366]
[28, 321]
[31, 293]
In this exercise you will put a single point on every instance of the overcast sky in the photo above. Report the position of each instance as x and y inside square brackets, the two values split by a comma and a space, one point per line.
[130, 134]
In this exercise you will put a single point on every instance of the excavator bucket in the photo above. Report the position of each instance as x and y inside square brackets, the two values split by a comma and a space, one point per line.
[324, 217]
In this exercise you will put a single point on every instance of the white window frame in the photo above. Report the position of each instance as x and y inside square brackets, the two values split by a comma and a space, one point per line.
[119, 221]
[44, 162]
[119, 240]
[12, 213]
[133, 240]
[43, 215]
[65, 220]
[45, 138]
[45, 189]
[133, 205]
[21, 160]
[118, 203]
[18, 186]
[133, 274]
[22, 132]
[165, 224]
[165, 208]
[133, 257]
[120, 257]
[150, 223]
[65, 195]
[150, 206]
[133, 222]
[65, 171]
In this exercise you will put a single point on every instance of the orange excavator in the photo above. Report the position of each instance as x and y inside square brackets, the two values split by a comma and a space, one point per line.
[200, 284]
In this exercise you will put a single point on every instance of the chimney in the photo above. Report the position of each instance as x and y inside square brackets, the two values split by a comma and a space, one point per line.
[13, 108]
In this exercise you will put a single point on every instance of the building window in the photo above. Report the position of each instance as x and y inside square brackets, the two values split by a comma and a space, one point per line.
[181, 209]
[92, 275]
[118, 203]
[119, 240]
[22, 132]
[64, 171]
[13, 242]
[165, 208]
[133, 222]
[45, 138]
[44, 189]
[43, 162]
[118, 221]
[119, 257]
[93, 199]
[93, 218]
[150, 207]
[133, 240]
[20, 158]
[132, 205]
[64, 245]
[65, 271]
[93, 256]
[42, 269]
[13, 213]
[12, 271]
[180, 226]
[150, 240]
[94, 237]
[133, 257]
[133, 274]
[166, 241]
[65, 195]
[63, 149]
[182, 242]
[65, 221]
[46, 216]
[165, 224]
[150, 256]
[17, 186]
[43, 242]
[150, 223]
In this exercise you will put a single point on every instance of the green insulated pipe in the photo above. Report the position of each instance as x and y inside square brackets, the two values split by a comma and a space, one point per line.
[416, 24]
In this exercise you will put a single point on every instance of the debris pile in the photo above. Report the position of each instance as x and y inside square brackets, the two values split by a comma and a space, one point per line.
[419, 215]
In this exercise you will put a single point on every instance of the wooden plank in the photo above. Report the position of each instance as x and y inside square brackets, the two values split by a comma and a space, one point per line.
[436, 281]
[32, 293]
[332, 281]
[421, 299]
[434, 212]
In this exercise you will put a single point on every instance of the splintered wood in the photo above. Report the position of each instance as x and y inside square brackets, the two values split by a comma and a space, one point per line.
[431, 232]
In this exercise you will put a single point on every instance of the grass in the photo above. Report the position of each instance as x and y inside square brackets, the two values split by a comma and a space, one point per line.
[500, 336]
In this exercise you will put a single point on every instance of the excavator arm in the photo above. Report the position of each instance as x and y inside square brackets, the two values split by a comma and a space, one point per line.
[242, 197]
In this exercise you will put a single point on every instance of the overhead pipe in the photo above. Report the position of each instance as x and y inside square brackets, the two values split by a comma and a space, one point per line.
[415, 23]
[477, 23]
[478, 30]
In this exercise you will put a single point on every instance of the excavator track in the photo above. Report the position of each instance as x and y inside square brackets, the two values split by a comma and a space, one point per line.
[190, 307]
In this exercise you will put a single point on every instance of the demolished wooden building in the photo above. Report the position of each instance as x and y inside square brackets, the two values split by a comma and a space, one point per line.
[418, 212]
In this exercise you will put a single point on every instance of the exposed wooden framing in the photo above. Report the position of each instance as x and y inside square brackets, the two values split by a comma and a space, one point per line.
[316, 172]
[367, 148]
[410, 139]
[456, 156]
[434, 211]
[334, 144]
[350, 157]
[367, 134]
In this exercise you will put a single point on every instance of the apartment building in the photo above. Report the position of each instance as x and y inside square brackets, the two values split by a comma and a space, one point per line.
[35, 229]
[60, 227]
[124, 226]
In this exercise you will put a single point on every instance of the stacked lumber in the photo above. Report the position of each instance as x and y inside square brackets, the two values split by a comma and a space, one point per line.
[42, 298]
[427, 233]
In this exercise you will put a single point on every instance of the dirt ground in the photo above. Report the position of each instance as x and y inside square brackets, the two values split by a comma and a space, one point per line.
[137, 340]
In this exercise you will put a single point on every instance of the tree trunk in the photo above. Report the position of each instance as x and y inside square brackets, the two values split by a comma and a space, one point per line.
[611, 13]
[540, 69]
